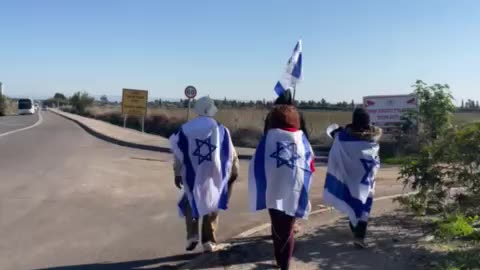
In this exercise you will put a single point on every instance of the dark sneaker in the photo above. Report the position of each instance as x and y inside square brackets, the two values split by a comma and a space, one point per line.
[360, 243]
[191, 244]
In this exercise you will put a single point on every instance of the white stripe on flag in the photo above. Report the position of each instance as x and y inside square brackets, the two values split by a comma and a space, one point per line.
[293, 72]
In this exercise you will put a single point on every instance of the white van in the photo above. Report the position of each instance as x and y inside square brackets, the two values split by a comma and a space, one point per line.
[26, 106]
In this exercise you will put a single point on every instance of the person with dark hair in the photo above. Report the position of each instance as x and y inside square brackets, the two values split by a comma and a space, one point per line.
[352, 165]
[279, 178]
[361, 127]
[287, 99]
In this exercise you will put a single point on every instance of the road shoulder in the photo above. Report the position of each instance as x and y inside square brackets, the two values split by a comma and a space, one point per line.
[325, 243]
[38, 121]
[129, 137]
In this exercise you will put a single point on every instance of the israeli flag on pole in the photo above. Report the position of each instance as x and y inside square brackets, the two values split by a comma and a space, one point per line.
[293, 72]
[350, 182]
[280, 173]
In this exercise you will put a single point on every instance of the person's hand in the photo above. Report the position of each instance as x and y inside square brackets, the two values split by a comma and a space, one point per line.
[178, 182]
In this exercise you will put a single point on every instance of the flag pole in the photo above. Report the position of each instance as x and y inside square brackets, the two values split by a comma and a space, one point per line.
[294, 91]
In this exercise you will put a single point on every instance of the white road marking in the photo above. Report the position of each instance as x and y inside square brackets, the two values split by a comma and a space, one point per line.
[39, 121]
[323, 208]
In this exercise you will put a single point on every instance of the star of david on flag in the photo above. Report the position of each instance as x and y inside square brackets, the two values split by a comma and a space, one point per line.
[369, 165]
[286, 154]
[204, 150]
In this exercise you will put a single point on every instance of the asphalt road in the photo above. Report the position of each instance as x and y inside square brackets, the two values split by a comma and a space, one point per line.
[71, 201]
[11, 123]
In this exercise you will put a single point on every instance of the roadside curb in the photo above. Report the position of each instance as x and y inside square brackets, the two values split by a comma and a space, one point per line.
[207, 257]
[110, 139]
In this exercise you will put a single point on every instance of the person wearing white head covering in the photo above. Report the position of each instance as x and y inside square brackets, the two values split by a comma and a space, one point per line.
[205, 166]
[205, 106]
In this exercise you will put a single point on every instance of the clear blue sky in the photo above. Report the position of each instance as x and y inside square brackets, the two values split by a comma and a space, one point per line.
[238, 49]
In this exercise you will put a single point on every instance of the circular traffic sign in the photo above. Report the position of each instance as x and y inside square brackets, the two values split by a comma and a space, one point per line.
[190, 92]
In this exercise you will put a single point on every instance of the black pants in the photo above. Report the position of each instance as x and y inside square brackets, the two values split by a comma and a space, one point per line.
[283, 237]
[360, 230]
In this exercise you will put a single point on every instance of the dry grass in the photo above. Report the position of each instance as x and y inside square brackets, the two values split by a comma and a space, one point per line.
[11, 107]
[246, 125]
[466, 117]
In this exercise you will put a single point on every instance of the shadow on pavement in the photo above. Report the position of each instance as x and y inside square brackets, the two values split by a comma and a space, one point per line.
[157, 264]
[392, 245]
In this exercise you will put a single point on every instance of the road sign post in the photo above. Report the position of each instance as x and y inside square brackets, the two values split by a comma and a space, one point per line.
[134, 103]
[190, 93]
[189, 108]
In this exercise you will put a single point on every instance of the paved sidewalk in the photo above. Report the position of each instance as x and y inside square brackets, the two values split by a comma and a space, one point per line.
[325, 243]
[129, 137]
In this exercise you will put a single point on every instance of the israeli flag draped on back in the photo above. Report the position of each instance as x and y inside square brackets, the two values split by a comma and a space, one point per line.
[204, 147]
[350, 182]
[280, 173]
[293, 72]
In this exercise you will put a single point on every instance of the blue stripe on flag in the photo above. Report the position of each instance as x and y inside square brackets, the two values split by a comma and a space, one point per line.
[297, 69]
[224, 158]
[341, 191]
[297, 47]
[279, 88]
[368, 205]
[260, 176]
[190, 173]
[303, 200]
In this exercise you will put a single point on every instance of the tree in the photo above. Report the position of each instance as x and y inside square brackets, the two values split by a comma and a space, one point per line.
[80, 101]
[3, 105]
[323, 103]
[59, 96]
[435, 110]
[342, 104]
[104, 99]
[434, 169]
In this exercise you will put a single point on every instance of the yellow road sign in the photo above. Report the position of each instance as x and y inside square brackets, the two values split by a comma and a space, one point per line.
[134, 102]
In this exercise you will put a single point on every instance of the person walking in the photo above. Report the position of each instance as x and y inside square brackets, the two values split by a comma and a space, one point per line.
[205, 166]
[352, 165]
[280, 173]
[286, 98]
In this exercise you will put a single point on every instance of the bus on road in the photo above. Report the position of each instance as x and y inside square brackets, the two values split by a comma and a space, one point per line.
[26, 106]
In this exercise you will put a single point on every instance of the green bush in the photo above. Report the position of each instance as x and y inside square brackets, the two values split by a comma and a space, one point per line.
[449, 162]
[80, 101]
[3, 105]
[456, 226]
[464, 259]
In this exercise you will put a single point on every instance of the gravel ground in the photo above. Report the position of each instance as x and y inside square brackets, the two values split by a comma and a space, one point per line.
[325, 243]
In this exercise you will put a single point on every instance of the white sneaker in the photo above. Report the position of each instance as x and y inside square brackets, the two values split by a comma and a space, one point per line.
[191, 244]
[209, 247]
